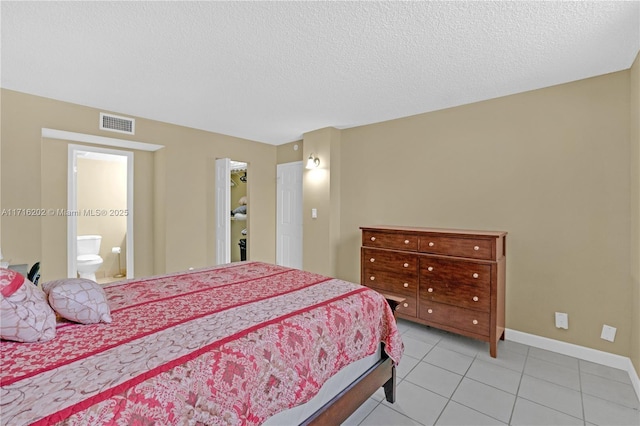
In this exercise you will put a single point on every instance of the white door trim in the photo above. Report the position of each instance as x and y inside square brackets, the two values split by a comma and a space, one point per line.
[99, 140]
[72, 205]
[223, 210]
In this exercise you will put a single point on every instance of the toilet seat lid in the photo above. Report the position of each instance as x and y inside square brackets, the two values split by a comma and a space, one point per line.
[88, 257]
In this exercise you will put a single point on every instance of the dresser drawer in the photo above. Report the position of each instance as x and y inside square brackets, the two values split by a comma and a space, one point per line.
[458, 295]
[474, 248]
[397, 241]
[455, 271]
[461, 318]
[409, 307]
[389, 282]
[392, 261]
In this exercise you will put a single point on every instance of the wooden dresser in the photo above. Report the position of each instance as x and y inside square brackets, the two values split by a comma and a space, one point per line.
[452, 279]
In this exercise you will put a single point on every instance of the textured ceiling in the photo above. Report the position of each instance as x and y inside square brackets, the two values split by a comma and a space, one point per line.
[271, 71]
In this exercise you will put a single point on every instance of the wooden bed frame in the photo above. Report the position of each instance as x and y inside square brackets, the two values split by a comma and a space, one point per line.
[338, 409]
[381, 374]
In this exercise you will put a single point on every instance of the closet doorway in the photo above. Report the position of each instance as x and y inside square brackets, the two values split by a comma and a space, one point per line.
[232, 214]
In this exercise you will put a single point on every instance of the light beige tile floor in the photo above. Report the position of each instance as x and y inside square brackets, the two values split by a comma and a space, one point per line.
[445, 379]
[108, 280]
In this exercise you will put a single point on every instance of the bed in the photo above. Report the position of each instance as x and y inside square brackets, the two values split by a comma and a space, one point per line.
[233, 344]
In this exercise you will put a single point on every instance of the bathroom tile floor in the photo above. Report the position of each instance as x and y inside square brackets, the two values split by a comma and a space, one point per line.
[446, 379]
[107, 280]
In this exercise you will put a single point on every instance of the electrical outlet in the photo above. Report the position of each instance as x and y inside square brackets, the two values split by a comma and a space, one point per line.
[562, 320]
[608, 333]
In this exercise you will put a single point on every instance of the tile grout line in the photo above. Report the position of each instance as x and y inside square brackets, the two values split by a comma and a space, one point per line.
[457, 386]
[515, 401]
[584, 415]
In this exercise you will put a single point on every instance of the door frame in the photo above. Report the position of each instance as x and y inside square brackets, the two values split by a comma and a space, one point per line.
[223, 210]
[72, 206]
[223, 168]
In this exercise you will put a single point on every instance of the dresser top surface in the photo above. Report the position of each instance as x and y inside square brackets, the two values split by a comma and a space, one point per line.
[449, 231]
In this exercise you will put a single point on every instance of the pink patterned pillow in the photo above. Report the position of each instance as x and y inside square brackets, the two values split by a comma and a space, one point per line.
[25, 315]
[79, 300]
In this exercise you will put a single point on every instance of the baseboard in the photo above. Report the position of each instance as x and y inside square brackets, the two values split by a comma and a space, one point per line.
[580, 352]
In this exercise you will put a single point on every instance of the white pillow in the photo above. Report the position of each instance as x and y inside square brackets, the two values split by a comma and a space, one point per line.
[79, 300]
[25, 315]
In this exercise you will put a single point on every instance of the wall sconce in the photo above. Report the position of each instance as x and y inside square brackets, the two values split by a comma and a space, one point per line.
[313, 162]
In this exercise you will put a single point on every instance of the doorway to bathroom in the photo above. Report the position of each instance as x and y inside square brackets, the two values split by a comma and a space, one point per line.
[100, 213]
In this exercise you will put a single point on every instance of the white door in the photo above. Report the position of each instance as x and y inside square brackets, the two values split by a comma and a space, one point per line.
[223, 211]
[289, 215]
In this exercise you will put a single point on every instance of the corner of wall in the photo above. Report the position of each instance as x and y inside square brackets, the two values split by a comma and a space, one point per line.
[159, 212]
[321, 191]
[634, 139]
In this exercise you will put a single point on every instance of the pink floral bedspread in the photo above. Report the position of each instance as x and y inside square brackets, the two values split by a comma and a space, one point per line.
[234, 344]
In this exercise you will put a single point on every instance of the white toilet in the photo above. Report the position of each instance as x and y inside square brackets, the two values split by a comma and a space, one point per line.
[88, 260]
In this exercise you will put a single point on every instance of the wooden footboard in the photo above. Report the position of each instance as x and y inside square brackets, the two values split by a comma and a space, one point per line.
[338, 409]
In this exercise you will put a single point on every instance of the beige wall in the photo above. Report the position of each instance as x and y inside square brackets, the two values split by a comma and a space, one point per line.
[635, 210]
[174, 210]
[102, 184]
[289, 152]
[549, 166]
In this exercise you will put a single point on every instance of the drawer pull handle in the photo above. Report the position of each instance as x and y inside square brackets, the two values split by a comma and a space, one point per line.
[431, 244]
[474, 275]
[406, 241]
[372, 278]
[405, 285]
[406, 265]
[430, 311]
[475, 298]
[430, 290]
[475, 322]
[406, 305]
[430, 268]
[373, 238]
[373, 259]
[476, 248]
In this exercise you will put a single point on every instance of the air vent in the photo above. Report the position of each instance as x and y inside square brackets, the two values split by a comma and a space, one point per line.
[114, 123]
